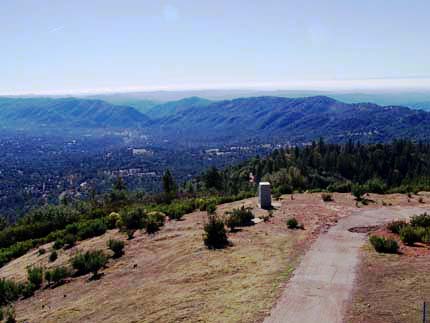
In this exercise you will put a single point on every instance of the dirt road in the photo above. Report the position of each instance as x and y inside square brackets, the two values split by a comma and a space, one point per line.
[323, 282]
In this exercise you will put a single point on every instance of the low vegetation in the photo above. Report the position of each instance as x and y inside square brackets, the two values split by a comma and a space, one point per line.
[57, 275]
[396, 226]
[292, 223]
[327, 197]
[53, 256]
[117, 246]
[215, 235]
[384, 245]
[239, 217]
[89, 262]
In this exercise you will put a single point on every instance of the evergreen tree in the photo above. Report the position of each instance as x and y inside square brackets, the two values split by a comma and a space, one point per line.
[169, 185]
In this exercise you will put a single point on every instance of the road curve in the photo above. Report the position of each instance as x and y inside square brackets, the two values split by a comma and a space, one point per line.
[322, 284]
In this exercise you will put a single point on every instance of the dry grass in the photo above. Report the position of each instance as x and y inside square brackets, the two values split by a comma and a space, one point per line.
[390, 288]
[172, 277]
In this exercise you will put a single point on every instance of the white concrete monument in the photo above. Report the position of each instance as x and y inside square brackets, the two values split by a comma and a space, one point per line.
[264, 197]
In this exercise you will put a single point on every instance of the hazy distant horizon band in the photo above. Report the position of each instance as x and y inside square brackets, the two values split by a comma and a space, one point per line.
[373, 84]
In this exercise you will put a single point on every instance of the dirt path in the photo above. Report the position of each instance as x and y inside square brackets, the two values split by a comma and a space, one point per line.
[322, 284]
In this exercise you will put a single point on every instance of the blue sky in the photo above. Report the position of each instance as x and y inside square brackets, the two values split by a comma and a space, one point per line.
[74, 46]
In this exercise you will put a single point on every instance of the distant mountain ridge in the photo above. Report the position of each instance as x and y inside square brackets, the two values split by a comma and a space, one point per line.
[298, 119]
[67, 112]
[264, 118]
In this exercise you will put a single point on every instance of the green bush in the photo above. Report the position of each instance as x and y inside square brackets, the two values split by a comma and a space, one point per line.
[409, 235]
[117, 246]
[89, 262]
[41, 251]
[57, 275]
[327, 197]
[91, 228]
[10, 316]
[10, 291]
[15, 251]
[132, 220]
[69, 240]
[215, 236]
[58, 244]
[211, 208]
[422, 220]
[53, 256]
[292, 223]
[396, 226]
[358, 191]
[28, 290]
[239, 217]
[35, 276]
[153, 221]
[384, 245]
[376, 185]
[113, 220]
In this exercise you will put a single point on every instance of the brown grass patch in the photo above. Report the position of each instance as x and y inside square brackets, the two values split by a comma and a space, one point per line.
[390, 288]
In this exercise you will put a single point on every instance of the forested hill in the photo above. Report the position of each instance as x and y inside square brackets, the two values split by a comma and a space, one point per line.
[298, 120]
[401, 166]
[263, 119]
[23, 113]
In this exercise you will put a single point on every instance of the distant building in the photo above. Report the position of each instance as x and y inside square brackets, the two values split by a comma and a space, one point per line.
[264, 195]
[141, 152]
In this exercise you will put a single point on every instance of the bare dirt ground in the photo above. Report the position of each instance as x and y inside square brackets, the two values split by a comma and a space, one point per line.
[322, 285]
[391, 288]
[172, 277]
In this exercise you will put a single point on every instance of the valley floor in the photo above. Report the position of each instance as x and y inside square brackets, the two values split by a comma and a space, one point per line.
[172, 277]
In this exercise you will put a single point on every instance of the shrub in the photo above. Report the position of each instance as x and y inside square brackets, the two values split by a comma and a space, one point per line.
[425, 235]
[117, 246]
[422, 220]
[276, 195]
[211, 208]
[72, 229]
[420, 199]
[358, 191]
[327, 197]
[239, 217]
[396, 226]
[284, 189]
[57, 275]
[133, 220]
[28, 290]
[91, 228]
[15, 251]
[89, 262]
[154, 221]
[35, 276]
[113, 220]
[10, 316]
[384, 245]
[58, 244]
[41, 251]
[409, 235]
[376, 185]
[53, 256]
[292, 223]
[340, 187]
[10, 291]
[215, 236]
[69, 240]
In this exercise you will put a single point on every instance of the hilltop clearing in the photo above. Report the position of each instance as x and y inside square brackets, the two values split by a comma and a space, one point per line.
[171, 276]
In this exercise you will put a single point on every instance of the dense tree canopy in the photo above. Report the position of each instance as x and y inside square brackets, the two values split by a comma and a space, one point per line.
[400, 165]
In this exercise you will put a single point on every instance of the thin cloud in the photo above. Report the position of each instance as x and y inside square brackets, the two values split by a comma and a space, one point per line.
[56, 29]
